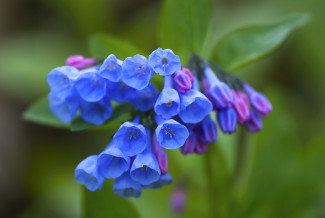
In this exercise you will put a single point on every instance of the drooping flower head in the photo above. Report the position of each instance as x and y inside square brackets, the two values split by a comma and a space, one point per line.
[168, 102]
[254, 124]
[80, 62]
[126, 187]
[111, 69]
[87, 173]
[227, 119]
[208, 130]
[259, 101]
[136, 72]
[164, 62]
[96, 112]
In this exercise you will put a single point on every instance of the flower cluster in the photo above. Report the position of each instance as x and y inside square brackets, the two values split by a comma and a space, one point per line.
[177, 117]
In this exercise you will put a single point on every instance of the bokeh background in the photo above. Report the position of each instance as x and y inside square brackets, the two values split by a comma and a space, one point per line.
[285, 172]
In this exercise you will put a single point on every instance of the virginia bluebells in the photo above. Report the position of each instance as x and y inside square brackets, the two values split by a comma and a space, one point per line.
[164, 62]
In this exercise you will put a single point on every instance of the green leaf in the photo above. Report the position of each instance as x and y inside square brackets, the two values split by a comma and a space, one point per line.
[184, 25]
[103, 203]
[250, 44]
[102, 45]
[39, 112]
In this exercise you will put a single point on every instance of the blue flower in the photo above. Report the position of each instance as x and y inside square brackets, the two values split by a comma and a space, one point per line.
[165, 179]
[171, 134]
[145, 168]
[64, 108]
[61, 80]
[90, 85]
[87, 173]
[126, 187]
[164, 62]
[112, 163]
[208, 130]
[227, 119]
[111, 69]
[144, 100]
[119, 91]
[131, 138]
[219, 92]
[96, 112]
[136, 72]
[168, 102]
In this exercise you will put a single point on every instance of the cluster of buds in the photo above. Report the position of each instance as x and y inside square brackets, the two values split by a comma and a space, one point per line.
[177, 117]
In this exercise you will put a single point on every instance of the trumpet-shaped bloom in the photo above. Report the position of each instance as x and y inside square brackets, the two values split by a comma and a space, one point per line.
[119, 91]
[171, 134]
[145, 168]
[219, 92]
[131, 138]
[80, 62]
[227, 119]
[112, 162]
[90, 85]
[241, 106]
[164, 62]
[87, 173]
[126, 187]
[64, 108]
[208, 130]
[61, 80]
[165, 179]
[144, 100]
[111, 69]
[136, 72]
[254, 124]
[259, 102]
[168, 102]
[160, 154]
[96, 112]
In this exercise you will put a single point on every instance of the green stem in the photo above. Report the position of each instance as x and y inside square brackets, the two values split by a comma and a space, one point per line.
[241, 156]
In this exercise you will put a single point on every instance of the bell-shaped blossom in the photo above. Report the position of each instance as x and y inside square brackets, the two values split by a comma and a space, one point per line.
[90, 85]
[165, 179]
[61, 80]
[254, 124]
[241, 105]
[145, 99]
[136, 72]
[160, 154]
[194, 105]
[219, 92]
[64, 108]
[131, 138]
[80, 62]
[164, 62]
[168, 102]
[145, 168]
[183, 81]
[170, 133]
[259, 101]
[87, 173]
[208, 130]
[227, 119]
[178, 200]
[194, 144]
[119, 91]
[126, 187]
[111, 69]
[96, 112]
[112, 162]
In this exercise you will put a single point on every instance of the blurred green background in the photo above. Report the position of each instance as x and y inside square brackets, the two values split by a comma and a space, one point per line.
[285, 170]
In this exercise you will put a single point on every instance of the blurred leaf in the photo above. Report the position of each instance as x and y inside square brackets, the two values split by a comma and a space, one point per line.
[102, 45]
[104, 203]
[39, 112]
[250, 44]
[183, 26]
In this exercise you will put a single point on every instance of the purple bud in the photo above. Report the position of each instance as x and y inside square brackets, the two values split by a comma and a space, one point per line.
[80, 62]
[190, 143]
[241, 105]
[178, 200]
[182, 82]
[188, 73]
[200, 147]
[259, 102]
[208, 130]
[160, 154]
[254, 124]
[227, 119]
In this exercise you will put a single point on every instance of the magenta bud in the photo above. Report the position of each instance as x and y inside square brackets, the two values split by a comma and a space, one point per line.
[241, 105]
[182, 82]
[259, 102]
[160, 154]
[188, 73]
[254, 124]
[80, 62]
[178, 201]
